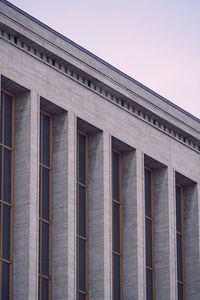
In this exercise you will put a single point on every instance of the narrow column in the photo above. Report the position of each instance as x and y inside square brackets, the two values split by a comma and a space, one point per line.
[95, 216]
[100, 216]
[107, 203]
[71, 205]
[172, 232]
[140, 217]
[129, 220]
[161, 233]
[60, 207]
[191, 241]
[26, 191]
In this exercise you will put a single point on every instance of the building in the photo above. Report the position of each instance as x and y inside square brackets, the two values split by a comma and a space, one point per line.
[99, 176]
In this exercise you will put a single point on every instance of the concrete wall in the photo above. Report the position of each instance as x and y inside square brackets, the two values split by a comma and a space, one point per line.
[26, 191]
[60, 207]
[161, 233]
[96, 216]
[191, 241]
[129, 225]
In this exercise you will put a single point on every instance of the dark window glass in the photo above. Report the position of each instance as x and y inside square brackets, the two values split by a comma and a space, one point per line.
[148, 243]
[39, 288]
[180, 291]
[45, 249]
[116, 226]
[179, 257]
[82, 267]
[115, 176]
[7, 176]
[178, 209]
[46, 140]
[45, 193]
[39, 192]
[44, 205]
[149, 284]
[1, 108]
[82, 211]
[8, 120]
[148, 193]
[40, 136]
[82, 155]
[0, 170]
[5, 281]
[6, 232]
[116, 277]
[82, 297]
[45, 289]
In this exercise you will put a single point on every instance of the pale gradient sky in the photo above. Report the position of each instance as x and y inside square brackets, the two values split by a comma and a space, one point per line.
[157, 42]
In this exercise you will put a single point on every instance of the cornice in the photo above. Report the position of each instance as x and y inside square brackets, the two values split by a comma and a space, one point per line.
[100, 88]
[82, 49]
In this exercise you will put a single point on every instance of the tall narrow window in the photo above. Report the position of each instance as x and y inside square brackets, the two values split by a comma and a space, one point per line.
[82, 216]
[149, 225]
[180, 242]
[6, 192]
[117, 226]
[45, 206]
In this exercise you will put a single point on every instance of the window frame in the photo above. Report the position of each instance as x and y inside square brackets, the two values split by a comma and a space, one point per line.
[120, 226]
[182, 243]
[11, 203]
[78, 236]
[152, 219]
[41, 220]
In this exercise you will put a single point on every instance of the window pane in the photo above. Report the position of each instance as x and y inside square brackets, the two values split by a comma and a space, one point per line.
[148, 243]
[116, 227]
[0, 169]
[147, 193]
[45, 289]
[7, 176]
[40, 187]
[115, 176]
[82, 265]
[82, 154]
[46, 140]
[82, 210]
[149, 284]
[178, 209]
[82, 297]
[6, 232]
[39, 287]
[8, 120]
[116, 276]
[180, 291]
[40, 136]
[45, 193]
[1, 107]
[5, 280]
[45, 249]
[179, 257]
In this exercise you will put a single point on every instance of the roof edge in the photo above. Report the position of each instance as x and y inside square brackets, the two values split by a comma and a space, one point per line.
[100, 60]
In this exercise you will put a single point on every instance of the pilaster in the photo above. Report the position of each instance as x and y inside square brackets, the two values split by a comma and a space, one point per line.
[26, 201]
[60, 207]
[71, 206]
[140, 246]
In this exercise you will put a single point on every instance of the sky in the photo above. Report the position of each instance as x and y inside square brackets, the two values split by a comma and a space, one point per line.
[157, 42]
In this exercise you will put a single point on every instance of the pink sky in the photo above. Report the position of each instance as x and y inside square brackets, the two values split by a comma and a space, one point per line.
[157, 42]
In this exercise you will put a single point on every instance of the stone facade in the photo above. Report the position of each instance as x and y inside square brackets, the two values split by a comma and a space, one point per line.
[45, 70]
